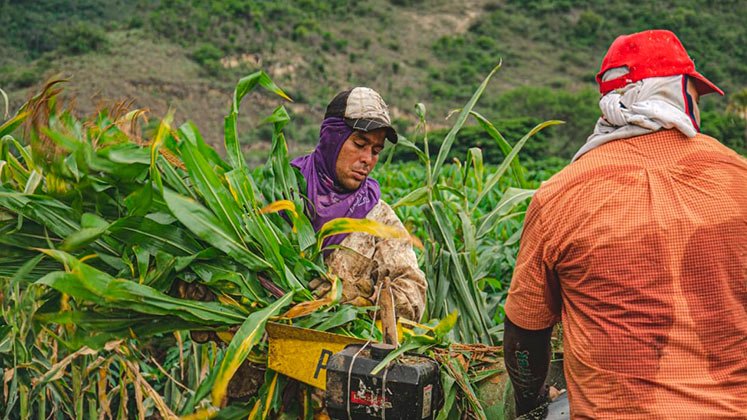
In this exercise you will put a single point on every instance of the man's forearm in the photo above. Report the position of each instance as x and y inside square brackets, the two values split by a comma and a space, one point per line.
[527, 357]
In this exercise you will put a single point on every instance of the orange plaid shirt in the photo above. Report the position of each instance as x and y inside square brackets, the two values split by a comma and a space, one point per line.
[641, 246]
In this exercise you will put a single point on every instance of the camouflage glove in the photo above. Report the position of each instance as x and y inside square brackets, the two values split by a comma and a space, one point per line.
[351, 293]
[320, 287]
[194, 291]
[359, 301]
[197, 291]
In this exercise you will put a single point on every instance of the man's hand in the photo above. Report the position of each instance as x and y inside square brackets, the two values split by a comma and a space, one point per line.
[320, 287]
[359, 301]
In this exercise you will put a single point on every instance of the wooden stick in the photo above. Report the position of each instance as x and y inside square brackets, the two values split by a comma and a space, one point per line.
[388, 314]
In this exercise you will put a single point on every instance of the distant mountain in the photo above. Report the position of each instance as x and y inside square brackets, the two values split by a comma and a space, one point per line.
[188, 54]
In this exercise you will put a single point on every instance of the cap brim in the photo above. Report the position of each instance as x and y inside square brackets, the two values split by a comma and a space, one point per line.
[364, 124]
[705, 86]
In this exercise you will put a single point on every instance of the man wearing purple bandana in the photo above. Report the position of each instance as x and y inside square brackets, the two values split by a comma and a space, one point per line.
[351, 137]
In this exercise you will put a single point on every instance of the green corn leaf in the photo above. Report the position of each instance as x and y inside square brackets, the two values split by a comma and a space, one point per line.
[25, 272]
[205, 254]
[91, 220]
[445, 325]
[142, 257]
[248, 335]
[32, 236]
[162, 276]
[226, 277]
[281, 174]
[242, 188]
[35, 178]
[441, 286]
[131, 172]
[65, 141]
[474, 158]
[493, 180]
[468, 234]
[279, 118]
[13, 123]
[89, 284]
[126, 153]
[462, 379]
[139, 202]
[458, 193]
[402, 349]
[349, 225]
[164, 129]
[207, 227]
[154, 236]
[269, 243]
[202, 391]
[189, 132]
[53, 214]
[515, 237]
[24, 152]
[416, 197]
[516, 169]
[270, 396]
[82, 237]
[473, 311]
[18, 172]
[327, 320]
[510, 199]
[100, 326]
[71, 166]
[173, 179]
[449, 390]
[68, 283]
[407, 144]
[216, 195]
[303, 229]
[245, 85]
[443, 152]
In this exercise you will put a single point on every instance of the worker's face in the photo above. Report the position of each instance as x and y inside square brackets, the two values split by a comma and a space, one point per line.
[358, 156]
[696, 99]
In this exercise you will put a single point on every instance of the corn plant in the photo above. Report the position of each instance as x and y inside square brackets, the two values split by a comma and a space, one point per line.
[465, 223]
[468, 215]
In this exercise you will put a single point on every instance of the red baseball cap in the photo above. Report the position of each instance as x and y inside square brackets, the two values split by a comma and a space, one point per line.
[654, 53]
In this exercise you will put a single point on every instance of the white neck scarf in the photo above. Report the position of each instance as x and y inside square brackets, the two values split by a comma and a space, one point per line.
[641, 108]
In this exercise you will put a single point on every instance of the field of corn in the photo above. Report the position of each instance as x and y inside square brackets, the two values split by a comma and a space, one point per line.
[101, 223]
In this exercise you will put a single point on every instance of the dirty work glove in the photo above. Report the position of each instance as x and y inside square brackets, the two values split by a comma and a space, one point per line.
[319, 287]
[359, 301]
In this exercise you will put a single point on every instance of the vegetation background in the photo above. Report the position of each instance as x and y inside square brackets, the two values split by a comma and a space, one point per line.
[188, 54]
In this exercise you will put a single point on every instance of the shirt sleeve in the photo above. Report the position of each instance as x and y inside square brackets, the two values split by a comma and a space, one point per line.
[395, 258]
[534, 296]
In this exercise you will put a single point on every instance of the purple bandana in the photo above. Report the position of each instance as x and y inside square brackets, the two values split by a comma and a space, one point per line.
[327, 200]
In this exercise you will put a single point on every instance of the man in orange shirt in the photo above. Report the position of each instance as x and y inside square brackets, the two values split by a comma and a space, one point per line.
[639, 246]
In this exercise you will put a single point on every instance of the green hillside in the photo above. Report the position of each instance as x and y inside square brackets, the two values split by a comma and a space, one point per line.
[187, 54]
